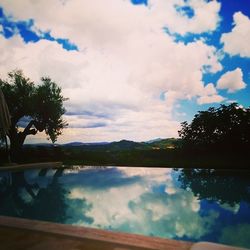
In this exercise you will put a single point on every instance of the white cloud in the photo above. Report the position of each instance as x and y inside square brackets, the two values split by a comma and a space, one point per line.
[205, 19]
[210, 99]
[232, 81]
[210, 89]
[122, 67]
[231, 101]
[76, 15]
[209, 95]
[236, 42]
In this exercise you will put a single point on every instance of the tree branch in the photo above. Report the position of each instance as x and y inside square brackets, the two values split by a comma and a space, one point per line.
[28, 128]
[39, 126]
[31, 132]
[27, 131]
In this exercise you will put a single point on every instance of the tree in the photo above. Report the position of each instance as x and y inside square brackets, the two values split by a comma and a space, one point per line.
[32, 108]
[225, 127]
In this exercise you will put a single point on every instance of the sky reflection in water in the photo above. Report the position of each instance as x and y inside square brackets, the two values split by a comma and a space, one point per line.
[191, 205]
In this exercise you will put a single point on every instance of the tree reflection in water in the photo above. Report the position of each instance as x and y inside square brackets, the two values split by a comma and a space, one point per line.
[229, 187]
[19, 198]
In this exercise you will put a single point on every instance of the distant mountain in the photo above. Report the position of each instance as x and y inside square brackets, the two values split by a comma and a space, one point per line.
[156, 144]
[126, 145]
[73, 144]
[166, 143]
[77, 144]
[154, 140]
[108, 146]
[41, 145]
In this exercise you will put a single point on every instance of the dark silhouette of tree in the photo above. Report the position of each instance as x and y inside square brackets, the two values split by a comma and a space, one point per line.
[33, 108]
[225, 127]
[225, 187]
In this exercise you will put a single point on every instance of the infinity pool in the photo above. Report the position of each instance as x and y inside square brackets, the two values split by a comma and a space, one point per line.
[193, 205]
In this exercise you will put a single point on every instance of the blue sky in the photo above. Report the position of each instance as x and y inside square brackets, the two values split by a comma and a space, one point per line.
[131, 69]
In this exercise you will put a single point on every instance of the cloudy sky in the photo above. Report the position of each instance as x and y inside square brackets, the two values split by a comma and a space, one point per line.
[132, 69]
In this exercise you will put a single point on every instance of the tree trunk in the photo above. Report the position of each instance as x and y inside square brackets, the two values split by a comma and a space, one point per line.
[17, 140]
[15, 148]
[7, 149]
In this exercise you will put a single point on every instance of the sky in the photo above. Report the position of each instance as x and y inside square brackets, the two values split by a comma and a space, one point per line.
[132, 69]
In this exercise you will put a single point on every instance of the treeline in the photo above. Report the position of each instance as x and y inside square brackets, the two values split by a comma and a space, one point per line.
[223, 129]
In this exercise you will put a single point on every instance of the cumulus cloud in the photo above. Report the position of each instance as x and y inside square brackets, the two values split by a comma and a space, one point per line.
[168, 14]
[210, 89]
[236, 42]
[210, 99]
[204, 18]
[123, 64]
[232, 81]
[209, 95]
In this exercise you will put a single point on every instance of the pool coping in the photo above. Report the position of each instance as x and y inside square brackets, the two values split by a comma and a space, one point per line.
[99, 235]
[119, 240]
[16, 167]
[59, 164]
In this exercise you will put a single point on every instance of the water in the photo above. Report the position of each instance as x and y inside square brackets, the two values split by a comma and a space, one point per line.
[193, 205]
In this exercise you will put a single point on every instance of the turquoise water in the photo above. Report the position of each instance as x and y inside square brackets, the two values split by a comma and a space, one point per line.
[193, 205]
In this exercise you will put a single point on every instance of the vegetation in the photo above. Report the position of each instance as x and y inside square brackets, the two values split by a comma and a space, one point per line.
[125, 153]
[33, 108]
[226, 128]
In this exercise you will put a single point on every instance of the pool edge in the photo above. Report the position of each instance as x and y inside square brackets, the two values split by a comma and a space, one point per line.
[98, 235]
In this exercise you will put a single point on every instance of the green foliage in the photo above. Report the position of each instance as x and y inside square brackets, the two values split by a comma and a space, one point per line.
[226, 127]
[18, 92]
[35, 107]
[48, 103]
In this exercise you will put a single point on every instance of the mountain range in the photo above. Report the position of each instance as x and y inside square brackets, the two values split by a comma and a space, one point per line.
[116, 145]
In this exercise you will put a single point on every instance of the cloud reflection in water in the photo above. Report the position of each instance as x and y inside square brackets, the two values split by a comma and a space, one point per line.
[183, 204]
[146, 201]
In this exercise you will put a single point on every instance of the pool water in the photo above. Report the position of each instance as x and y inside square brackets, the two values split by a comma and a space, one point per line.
[193, 205]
